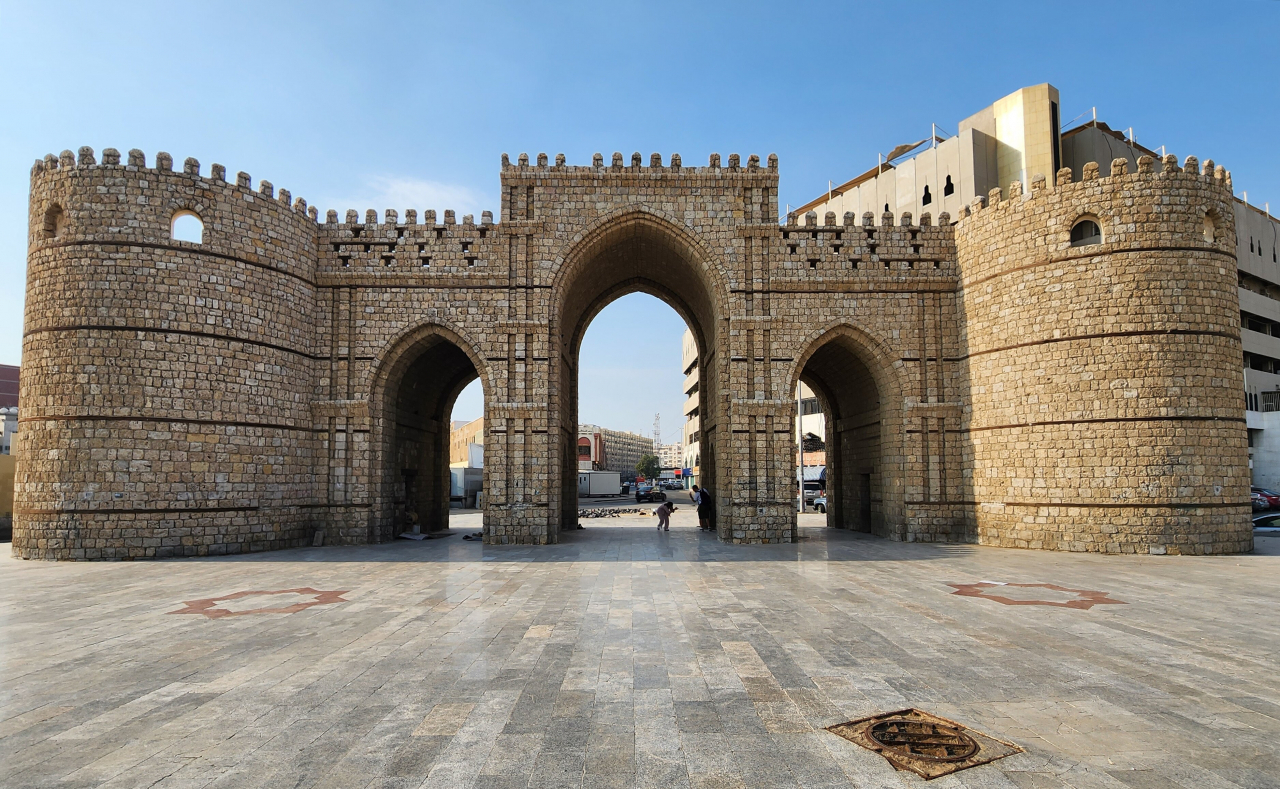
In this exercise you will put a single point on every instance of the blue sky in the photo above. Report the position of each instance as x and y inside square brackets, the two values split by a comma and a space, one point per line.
[412, 104]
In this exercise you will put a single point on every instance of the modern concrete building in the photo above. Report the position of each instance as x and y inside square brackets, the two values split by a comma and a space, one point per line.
[811, 428]
[1012, 140]
[671, 455]
[9, 386]
[691, 454]
[1021, 136]
[602, 449]
[466, 444]
[8, 427]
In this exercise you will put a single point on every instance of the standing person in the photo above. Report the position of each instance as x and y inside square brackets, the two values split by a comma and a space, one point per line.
[663, 512]
[703, 500]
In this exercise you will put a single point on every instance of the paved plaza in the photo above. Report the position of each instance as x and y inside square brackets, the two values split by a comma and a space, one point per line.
[626, 657]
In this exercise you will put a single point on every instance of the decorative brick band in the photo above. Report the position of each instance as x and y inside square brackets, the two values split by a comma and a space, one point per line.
[1108, 420]
[1100, 336]
[167, 421]
[1205, 250]
[181, 332]
[1078, 504]
[195, 251]
[139, 511]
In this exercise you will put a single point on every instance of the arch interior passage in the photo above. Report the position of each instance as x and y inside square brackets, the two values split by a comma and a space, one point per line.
[850, 400]
[417, 471]
[637, 254]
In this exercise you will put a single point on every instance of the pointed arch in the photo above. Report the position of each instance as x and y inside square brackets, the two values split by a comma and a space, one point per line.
[635, 249]
[411, 390]
[582, 247]
[858, 378]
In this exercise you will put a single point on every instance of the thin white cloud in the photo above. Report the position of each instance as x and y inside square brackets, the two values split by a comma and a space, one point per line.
[400, 193]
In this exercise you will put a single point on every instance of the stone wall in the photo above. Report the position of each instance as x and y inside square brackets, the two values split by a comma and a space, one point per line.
[289, 376]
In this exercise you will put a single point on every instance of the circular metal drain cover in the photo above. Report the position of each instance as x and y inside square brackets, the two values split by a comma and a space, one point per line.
[926, 740]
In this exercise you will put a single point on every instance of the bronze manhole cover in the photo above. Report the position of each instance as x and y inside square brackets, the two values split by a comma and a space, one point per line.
[923, 739]
[924, 744]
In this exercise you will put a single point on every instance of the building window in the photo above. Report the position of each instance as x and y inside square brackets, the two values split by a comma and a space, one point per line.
[927, 198]
[886, 208]
[1085, 232]
[948, 188]
[187, 226]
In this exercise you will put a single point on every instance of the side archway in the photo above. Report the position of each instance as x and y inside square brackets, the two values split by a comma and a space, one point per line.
[417, 380]
[857, 379]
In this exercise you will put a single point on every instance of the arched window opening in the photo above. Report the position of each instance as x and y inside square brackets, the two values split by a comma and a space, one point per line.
[55, 221]
[1085, 232]
[1210, 226]
[187, 226]
[949, 188]
[886, 208]
[927, 198]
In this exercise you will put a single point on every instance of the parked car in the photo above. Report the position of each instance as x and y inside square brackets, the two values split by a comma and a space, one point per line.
[820, 503]
[649, 493]
[1267, 520]
[1270, 497]
[1259, 503]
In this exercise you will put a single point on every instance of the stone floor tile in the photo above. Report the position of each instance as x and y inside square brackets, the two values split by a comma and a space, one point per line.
[600, 661]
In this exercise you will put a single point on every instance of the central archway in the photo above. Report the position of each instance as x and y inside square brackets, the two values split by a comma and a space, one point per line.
[635, 251]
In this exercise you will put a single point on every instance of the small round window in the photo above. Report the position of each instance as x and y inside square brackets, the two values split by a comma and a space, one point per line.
[1085, 232]
[187, 227]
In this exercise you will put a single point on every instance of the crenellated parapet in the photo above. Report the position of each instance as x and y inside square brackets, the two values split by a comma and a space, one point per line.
[733, 166]
[163, 190]
[753, 185]
[391, 247]
[1172, 213]
[871, 250]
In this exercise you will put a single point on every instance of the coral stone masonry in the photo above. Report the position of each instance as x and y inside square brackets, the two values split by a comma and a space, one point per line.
[289, 377]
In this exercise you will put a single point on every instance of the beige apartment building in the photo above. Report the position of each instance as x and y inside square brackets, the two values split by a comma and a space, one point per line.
[602, 449]
[671, 455]
[1021, 136]
[466, 444]
[691, 453]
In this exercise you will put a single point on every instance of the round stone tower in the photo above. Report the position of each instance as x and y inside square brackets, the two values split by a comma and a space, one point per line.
[1101, 335]
[166, 384]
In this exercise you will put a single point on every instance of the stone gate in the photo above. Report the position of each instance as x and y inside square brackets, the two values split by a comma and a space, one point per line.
[984, 380]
